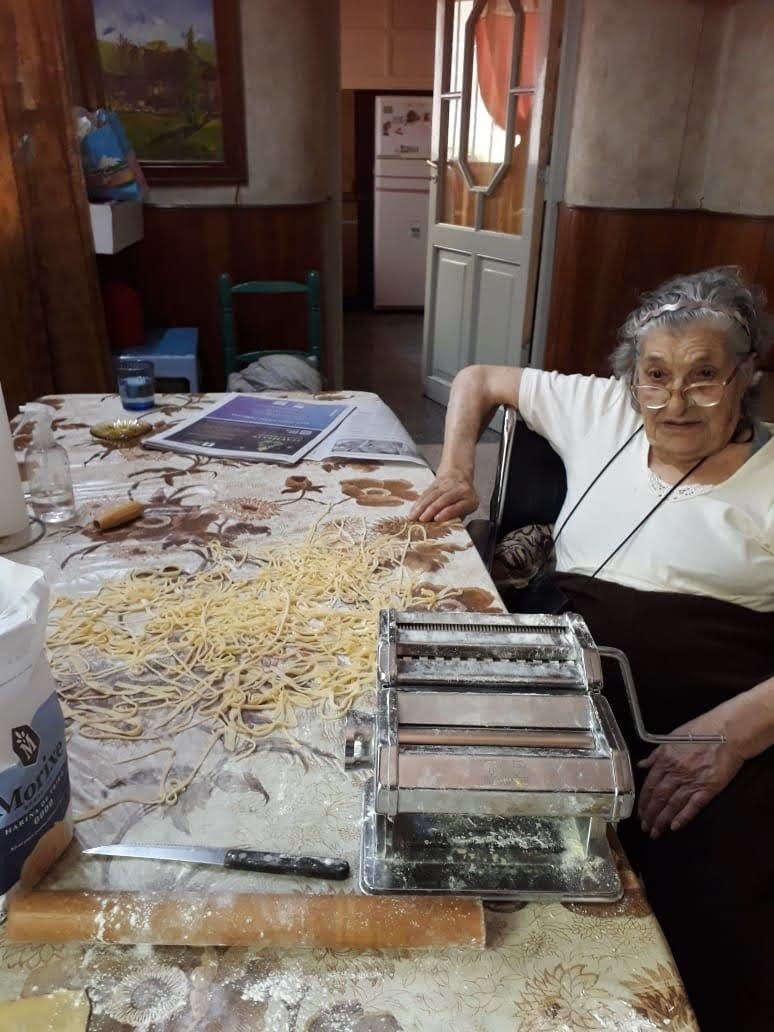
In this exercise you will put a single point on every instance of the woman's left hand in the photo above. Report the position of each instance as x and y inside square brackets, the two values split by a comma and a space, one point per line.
[683, 778]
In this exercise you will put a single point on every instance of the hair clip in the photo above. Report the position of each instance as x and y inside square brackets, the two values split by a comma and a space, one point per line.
[690, 305]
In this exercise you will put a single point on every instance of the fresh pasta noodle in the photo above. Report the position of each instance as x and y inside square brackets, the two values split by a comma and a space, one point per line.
[235, 649]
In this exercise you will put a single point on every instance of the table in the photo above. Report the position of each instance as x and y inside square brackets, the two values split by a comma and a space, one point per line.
[546, 967]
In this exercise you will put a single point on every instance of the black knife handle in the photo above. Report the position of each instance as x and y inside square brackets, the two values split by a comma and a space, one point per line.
[284, 863]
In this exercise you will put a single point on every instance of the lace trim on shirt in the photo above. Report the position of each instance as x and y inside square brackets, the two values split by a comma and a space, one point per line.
[660, 487]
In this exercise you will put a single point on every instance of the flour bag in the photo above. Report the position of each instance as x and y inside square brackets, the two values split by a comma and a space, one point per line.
[35, 821]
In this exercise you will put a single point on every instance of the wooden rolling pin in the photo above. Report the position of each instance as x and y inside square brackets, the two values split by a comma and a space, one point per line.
[248, 919]
[118, 515]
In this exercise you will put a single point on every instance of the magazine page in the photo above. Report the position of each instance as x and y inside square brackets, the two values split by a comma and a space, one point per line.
[254, 427]
[373, 431]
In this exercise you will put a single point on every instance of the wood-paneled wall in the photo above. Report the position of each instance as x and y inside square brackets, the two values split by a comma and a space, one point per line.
[605, 258]
[176, 266]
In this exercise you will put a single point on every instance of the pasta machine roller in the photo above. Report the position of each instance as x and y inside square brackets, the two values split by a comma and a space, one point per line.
[496, 763]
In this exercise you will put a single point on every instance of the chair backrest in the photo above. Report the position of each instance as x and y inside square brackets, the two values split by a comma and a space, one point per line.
[537, 482]
[232, 359]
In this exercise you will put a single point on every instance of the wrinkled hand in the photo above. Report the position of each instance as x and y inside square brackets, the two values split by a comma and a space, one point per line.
[683, 778]
[450, 496]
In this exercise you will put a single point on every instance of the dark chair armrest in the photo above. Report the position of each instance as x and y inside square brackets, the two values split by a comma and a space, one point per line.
[484, 532]
[484, 535]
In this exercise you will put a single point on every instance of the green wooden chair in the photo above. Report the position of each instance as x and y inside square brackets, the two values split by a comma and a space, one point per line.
[232, 359]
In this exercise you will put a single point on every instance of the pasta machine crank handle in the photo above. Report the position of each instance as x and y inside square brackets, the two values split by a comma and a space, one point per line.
[634, 706]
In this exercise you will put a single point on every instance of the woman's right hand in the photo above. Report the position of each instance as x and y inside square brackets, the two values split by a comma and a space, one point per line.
[475, 394]
[450, 496]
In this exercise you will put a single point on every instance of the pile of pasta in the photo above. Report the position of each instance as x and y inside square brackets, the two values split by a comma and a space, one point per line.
[235, 649]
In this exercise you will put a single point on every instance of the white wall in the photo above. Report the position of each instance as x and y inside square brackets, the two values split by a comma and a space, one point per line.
[292, 72]
[674, 106]
[290, 67]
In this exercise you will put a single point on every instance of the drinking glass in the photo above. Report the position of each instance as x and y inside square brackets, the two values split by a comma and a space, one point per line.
[135, 384]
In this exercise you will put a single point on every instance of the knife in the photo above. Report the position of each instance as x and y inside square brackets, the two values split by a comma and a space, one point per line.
[235, 858]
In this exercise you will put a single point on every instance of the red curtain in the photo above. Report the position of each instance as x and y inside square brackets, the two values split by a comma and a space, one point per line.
[494, 33]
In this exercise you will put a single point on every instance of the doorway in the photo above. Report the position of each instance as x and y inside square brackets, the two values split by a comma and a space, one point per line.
[495, 78]
[358, 154]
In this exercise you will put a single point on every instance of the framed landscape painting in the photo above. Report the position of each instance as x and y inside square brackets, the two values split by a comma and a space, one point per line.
[171, 70]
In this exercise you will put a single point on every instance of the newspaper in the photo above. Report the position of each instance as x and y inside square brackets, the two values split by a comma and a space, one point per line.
[372, 431]
[254, 427]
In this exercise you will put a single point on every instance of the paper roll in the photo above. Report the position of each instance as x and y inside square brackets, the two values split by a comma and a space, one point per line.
[13, 510]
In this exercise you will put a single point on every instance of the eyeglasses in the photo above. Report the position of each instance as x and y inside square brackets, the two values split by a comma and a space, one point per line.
[703, 395]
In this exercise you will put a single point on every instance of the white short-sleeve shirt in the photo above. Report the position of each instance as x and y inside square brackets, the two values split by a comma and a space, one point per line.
[719, 542]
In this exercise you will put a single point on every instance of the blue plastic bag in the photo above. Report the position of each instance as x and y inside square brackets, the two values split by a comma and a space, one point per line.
[109, 162]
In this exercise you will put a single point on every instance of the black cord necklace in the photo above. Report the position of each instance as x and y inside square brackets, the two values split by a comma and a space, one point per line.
[606, 466]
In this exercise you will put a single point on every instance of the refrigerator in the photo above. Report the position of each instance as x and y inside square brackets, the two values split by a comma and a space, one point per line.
[401, 200]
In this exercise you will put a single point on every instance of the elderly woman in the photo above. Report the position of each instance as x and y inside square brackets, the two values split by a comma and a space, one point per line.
[665, 544]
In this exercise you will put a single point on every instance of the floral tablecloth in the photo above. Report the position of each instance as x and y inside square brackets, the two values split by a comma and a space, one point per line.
[546, 966]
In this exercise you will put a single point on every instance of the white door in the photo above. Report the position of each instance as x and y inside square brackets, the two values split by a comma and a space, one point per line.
[486, 194]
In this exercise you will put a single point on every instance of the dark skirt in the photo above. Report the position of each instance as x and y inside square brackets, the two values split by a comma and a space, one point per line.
[711, 884]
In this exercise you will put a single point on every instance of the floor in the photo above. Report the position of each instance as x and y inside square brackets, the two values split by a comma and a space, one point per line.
[383, 353]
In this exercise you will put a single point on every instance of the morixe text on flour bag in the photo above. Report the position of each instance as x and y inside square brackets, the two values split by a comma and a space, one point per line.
[35, 821]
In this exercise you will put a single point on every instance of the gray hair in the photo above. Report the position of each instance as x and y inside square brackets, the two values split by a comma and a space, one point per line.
[718, 295]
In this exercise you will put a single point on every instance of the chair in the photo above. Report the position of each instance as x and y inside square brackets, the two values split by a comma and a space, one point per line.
[226, 289]
[530, 486]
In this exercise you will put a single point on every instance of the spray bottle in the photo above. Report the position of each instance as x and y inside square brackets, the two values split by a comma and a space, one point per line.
[49, 481]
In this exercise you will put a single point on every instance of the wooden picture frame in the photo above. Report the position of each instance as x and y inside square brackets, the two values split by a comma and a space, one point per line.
[231, 167]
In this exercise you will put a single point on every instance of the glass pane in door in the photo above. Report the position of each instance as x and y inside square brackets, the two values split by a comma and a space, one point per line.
[493, 36]
[460, 13]
[457, 202]
[457, 208]
[499, 86]
[504, 206]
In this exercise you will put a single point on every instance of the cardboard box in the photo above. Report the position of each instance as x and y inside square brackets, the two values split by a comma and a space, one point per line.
[115, 225]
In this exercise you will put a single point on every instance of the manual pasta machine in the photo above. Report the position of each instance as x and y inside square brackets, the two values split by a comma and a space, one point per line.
[497, 764]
